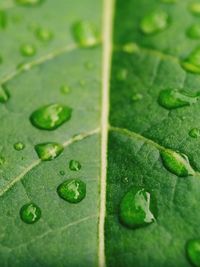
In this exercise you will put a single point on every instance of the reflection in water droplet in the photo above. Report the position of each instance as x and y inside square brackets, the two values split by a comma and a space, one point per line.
[171, 99]
[19, 146]
[29, 2]
[176, 163]
[192, 62]
[74, 165]
[49, 151]
[85, 34]
[194, 8]
[65, 89]
[62, 173]
[72, 190]
[137, 208]
[193, 251]
[44, 35]
[4, 95]
[194, 31]
[30, 213]
[27, 50]
[125, 180]
[3, 19]
[194, 133]
[154, 22]
[51, 116]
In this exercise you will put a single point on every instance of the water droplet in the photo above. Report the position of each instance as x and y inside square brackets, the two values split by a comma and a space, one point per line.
[176, 163]
[130, 48]
[3, 19]
[72, 190]
[19, 146]
[30, 213]
[136, 208]
[4, 95]
[169, 1]
[194, 133]
[44, 35]
[125, 180]
[85, 34]
[74, 165]
[154, 22]
[194, 31]
[2, 160]
[194, 8]
[65, 89]
[51, 116]
[137, 96]
[171, 99]
[49, 151]
[62, 173]
[122, 74]
[192, 62]
[29, 2]
[27, 50]
[193, 251]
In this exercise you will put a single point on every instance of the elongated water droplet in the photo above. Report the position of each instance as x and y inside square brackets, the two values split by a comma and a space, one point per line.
[154, 22]
[85, 34]
[72, 190]
[74, 165]
[171, 99]
[3, 19]
[19, 146]
[193, 251]
[65, 89]
[176, 163]
[136, 208]
[4, 95]
[30, 213]
[194, 133]
[44, 34]
[194, 31]
[51, 116]
[194, 8]
[192, 62]
[29, 2]
[27, 50]
[130, 48]
[49, 151]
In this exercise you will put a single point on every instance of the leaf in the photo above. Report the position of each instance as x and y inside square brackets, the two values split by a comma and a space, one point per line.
[134, 155]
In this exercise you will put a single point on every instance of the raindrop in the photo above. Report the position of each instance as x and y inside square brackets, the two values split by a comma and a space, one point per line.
[49, 151]
[193, 251]
[19, 146]
[30, 213]
[74, 165]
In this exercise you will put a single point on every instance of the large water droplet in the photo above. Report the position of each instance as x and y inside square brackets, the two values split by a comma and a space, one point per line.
[49, 151]
[4, 95]
[51, 116]
[74, 165]
[44, 34]
[193, 251]
[194, 8]
[85, 34]
[30, 213]
[194, 133]
[27, 50]
[29, 2]
[19, 146]
[3, 19]
[176, 163]
[171, 99]
[137, 209]
[194, 31]
[154, 22]
[72, 190]
[192, 62]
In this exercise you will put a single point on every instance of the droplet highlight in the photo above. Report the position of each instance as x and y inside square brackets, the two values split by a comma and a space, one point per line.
[193, 252]
[30, 213]
[72, 190]
[74, 165]
[50, 117]
[48, 151]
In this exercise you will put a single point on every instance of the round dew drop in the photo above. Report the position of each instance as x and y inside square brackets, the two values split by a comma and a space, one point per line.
[193, 252]
[194, 31]
[49, 151]
[74, 165]
[28, 50]
[19, 146]
[194, 133]
[30, 213]
[44, 35]
[72, 190]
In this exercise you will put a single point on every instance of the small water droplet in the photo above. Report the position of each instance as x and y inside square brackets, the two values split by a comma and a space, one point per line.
[4, 95]
[85, 34]
[171, 99]
[65, 89]
[2, 160]
[137, 209]
[194, 8]
[44, 34]
[49, 151]
[194, 31]
[194, 133]
[176, 163]
[154, 22]
[27, 50]
[125, 180]
[3, 19]
[29, 2]
[19, 146]
[137, 97]
[62, 173]
[72, 190]
[122, 74]
[130, 48]
[192, 62]
[30, 213]
[74, 165]
[193, 251]
[51, 116]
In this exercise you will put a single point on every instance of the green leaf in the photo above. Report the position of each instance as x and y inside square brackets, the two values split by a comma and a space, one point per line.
[99, 150]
